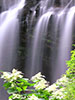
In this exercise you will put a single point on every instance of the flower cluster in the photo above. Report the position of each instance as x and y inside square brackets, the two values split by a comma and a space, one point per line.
[33, 97]
[52, 87]
[58, 88]
[62, 81]
[37, 88]
[41, 83]
[12, 76]
[58, 94]
[17, 96]
[37, 77]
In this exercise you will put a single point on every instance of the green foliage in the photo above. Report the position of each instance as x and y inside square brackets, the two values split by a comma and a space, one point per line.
[70, 73]
[71, 64]
[37, 88]
[20, 88]
[70, 91]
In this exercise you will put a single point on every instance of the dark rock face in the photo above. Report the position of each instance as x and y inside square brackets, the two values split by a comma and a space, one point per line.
[24, 36]
[57, 3]
[25, 19]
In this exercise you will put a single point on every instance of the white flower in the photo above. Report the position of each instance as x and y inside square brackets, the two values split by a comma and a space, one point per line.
[41, 84]
[12, 85]
[12, 76]
[33, 97]
[10, 99]
[52, 87]
[37, 77]
[18, 96]
[16, 74]
[6, 76]
[15, 71]
[58, 93]
[62, 80]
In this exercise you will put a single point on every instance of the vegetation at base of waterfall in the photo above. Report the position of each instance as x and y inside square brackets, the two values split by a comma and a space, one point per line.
[37, 88]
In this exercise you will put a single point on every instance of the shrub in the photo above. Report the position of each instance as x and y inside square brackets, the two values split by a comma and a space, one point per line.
[37, 88]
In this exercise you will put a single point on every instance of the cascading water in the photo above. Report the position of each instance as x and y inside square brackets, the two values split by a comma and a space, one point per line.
[9, 37]
[54, 26]
[60, 31]
[39, 35]
[38, 42]
[65, 44]
[9, 29]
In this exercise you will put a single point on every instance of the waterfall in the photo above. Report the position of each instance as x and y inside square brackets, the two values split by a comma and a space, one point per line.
[9, 36]
[51, 42]
[7, 4]
[65, 43]
[38, 42]
[55, 22]
[9, 29]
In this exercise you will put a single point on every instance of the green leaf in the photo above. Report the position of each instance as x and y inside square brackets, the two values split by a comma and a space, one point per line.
[7, 85]
[10, 97]
[18, 89]
[24, 88]
[12, 90]
[22, 80]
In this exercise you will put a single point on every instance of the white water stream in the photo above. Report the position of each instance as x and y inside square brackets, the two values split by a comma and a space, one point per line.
[9, 36]
[62, 30]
